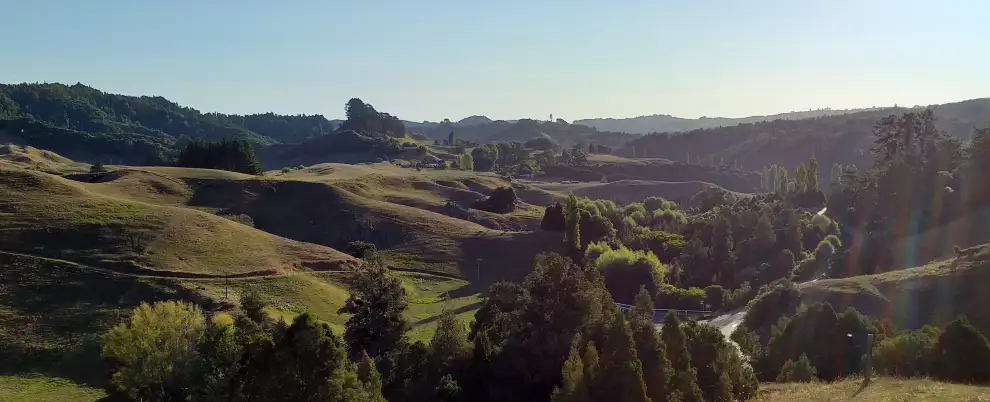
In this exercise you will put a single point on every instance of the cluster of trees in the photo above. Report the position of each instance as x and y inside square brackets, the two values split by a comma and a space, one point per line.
[523, 130]
[502, 200]
[556, 336]
[844, 139]
[363, 118]
[917, 170]
[719, 258]
[236, 155]
[816, 342]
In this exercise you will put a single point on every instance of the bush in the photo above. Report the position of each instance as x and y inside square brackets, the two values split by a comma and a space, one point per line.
[961, 354]
[666, 246]
[502, 200]
[672, 297]
[797, 371]
[906, 355]
[361, 249]
[97, 168]
[553, 218]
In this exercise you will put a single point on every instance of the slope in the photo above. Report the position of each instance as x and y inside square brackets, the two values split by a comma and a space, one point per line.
[55, 217]
[931, 294]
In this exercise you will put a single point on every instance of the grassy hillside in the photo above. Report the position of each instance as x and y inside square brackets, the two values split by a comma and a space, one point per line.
[880, 390]
[932, 294]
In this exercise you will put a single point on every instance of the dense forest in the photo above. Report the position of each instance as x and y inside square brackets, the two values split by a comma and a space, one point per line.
[845, 139]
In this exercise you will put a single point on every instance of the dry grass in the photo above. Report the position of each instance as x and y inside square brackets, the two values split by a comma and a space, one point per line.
[881, 389]
[51, 216]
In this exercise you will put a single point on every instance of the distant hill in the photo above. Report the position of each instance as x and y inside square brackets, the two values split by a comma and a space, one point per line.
[665, 123]
[844, 139]
[482, 130]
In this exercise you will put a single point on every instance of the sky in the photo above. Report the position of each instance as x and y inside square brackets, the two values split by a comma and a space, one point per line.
[507, 59]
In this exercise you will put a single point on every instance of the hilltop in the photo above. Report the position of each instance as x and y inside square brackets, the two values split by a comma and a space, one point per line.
[844, 139]
[665, 123]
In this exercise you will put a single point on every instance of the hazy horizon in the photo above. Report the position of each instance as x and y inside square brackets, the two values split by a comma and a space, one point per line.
[576, 60]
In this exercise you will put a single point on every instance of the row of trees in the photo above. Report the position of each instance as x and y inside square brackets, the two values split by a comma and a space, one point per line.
[555, 336]
[236, 155]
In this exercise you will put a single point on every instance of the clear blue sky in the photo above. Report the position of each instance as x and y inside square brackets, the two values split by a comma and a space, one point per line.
[431, 59]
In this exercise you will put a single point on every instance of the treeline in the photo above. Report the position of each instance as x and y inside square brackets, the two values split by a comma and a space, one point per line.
[556, 336]
[524, 130]
[844, 139]
[918, 171]
[785, 343]
[236, 155]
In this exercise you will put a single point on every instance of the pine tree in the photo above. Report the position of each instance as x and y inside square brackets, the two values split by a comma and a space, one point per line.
[573, 387]
[621, 375]
[685, 382]
[591, 368]
[657, 372]
[369, 376]
[811, 174]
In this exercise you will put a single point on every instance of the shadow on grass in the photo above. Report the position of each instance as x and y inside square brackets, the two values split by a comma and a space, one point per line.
[54, 315]
[459, 310]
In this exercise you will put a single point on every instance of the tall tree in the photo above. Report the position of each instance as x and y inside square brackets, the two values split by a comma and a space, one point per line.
[376, 305]
[657, 372]
[685, 382]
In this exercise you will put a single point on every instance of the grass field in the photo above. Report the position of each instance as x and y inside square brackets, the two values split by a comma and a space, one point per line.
[879, 390]
[33, 388]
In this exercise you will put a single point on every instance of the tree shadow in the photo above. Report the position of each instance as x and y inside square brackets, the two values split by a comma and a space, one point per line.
[459, 310]
[55, 314]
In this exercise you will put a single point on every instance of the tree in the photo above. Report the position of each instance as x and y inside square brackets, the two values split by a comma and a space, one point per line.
[572, 218]
[148, 349]
[450, 139]
[450, 342]
[553, 218]
[466, 162]
[657, 372]
[685, 380]
[376, 304]
[574, 387]
[236, 155]
[621, 373]
[211, 374]
[369, 376]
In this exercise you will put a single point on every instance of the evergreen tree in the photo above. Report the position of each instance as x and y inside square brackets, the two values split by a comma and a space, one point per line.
[621, 375]
[573, 387]
[811, 174]
[376, 305]
[657, 372]
[371, 379]
[685, 382]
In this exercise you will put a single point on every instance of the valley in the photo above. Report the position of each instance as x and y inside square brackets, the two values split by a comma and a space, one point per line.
[524, 234]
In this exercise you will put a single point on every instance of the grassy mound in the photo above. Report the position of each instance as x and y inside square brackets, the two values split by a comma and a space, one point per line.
[931, 294]
[51, 216]
[881, 389]
[35, 388]
[16, 156]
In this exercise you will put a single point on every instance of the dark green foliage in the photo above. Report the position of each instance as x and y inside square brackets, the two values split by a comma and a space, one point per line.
[518, 330]
[502, 200]
[236, 155]
[961, 354]
[376, 303]
[361, 249]
[97, 168]
[621, 373]
[906, 355]
[572, 220]
[363, 118]
[553, 218]
[485, 157]
[806, 331]
[657, 371]
[685, 380]
[666, 246]
[797, 371]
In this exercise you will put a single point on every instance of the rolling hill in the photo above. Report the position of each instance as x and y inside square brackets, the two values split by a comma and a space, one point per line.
[664, 123]
[844, 139]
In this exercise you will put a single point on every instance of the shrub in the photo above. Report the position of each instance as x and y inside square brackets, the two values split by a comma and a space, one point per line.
[501, 200]
[361, 249]
[961, 354]
[553, 218]
[797, 371]
[907, 354]
[97, 168]
[673, 297]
